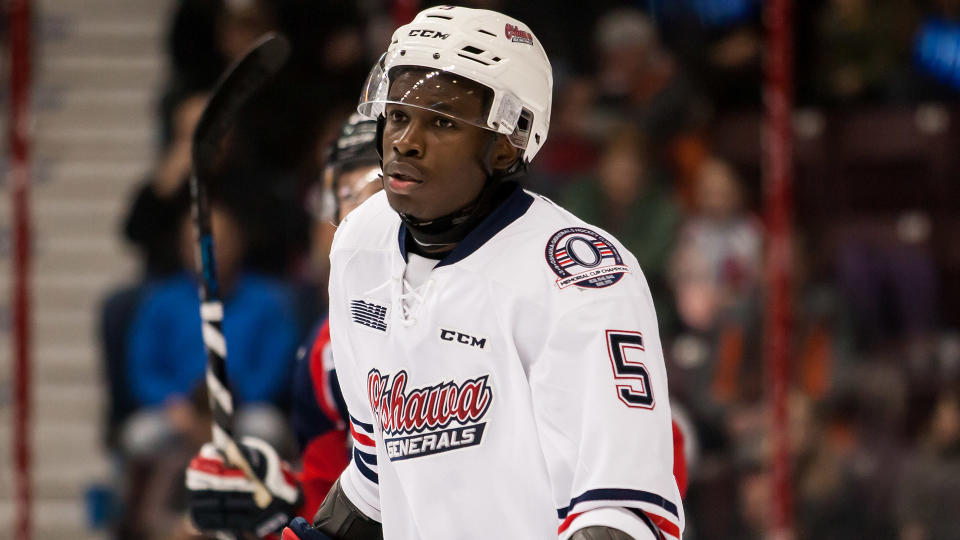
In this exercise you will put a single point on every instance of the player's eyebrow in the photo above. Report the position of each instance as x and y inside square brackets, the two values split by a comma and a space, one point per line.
[443, 107]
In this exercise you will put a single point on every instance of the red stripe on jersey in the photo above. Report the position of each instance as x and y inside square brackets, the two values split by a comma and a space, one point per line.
[360, 437]
[566, 523]
[664, 524]
[321, 382]
[214, 466]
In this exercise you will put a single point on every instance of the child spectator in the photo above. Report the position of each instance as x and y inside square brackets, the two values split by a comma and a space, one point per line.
[718, 260]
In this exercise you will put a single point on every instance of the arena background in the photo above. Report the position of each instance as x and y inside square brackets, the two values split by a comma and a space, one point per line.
[796, 203]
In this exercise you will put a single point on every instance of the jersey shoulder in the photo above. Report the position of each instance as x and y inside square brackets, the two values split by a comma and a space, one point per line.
[372, 225]
[550, 248]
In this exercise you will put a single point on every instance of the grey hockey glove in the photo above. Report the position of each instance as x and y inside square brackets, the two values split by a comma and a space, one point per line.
[221, 497]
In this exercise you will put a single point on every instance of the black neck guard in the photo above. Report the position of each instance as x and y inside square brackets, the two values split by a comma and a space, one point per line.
[443, 233]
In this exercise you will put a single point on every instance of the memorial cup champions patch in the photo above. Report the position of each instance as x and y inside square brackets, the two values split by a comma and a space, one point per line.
[583, 258]
[418, 422]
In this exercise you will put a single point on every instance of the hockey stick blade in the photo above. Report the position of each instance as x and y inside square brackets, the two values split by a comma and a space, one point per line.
[267, 56]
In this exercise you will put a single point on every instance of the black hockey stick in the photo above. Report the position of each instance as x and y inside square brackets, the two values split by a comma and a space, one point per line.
[248, 75]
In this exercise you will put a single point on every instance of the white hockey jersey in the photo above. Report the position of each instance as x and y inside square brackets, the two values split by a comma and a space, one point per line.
[520, 394]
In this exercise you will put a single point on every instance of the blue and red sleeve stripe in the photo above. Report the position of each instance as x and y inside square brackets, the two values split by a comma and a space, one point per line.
[658, 510]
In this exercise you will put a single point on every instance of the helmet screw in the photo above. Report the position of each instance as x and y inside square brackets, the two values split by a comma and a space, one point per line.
[436, 56]
[403, 52]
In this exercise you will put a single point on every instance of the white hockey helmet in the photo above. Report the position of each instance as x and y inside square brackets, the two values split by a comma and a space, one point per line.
[498, 52]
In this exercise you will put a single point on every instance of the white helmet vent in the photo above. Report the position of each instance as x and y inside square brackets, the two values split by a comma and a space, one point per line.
[487, 32]
[476, 54]
[477, 60]
[439, 17]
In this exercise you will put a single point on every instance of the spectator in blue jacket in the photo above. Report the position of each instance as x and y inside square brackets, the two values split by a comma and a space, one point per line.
[166, 358]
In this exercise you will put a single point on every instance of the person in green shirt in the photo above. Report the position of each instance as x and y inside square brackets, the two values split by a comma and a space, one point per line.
[627, 197]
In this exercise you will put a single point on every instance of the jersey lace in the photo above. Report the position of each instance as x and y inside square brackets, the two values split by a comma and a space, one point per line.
[415, 284]
[411, 298]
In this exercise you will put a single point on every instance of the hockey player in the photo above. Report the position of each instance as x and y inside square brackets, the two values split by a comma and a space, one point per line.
[220, 498]
[498, 356]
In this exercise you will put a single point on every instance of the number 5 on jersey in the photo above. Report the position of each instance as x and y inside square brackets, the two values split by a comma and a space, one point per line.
[635, 390]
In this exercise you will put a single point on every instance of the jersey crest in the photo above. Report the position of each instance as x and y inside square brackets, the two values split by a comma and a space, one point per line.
[582, 257]
[424, 421]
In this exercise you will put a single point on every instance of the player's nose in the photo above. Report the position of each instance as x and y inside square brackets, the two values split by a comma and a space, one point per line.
[409, 141]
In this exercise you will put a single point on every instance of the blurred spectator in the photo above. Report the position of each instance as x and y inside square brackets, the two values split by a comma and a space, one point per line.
[628, 198]
[720, 42]
[153, 219]
[717, 262]
[829, 505]
[240, 24]
[570, 151]
[888, 278]
[715, 275]
[863, 49]
[271, 156]
[196, 60]
[166, 354]
[640, 81]
[936, 76]
[930, 485]
[166, 365]
[151, 225]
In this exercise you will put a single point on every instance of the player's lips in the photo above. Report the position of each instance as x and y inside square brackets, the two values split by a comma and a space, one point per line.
[402, 177]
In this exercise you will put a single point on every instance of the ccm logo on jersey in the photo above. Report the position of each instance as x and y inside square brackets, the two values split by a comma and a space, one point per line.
[584, 258]
[429, 420]
[453, 336]
[428, 34]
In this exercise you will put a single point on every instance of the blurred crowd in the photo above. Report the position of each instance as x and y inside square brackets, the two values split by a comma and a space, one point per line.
[656, 138]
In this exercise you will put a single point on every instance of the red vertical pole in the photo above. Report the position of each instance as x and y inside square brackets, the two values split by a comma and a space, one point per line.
[778, 180]
[19, 140]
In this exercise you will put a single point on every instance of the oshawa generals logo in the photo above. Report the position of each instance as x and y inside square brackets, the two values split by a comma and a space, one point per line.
[424, 421]
[515, 34]
[582, 257]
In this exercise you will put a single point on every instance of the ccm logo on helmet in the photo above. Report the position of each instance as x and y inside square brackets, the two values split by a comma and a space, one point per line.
[517, 35]
[429, 34]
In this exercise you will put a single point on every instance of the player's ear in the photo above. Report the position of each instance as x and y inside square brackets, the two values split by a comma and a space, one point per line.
[504, 153]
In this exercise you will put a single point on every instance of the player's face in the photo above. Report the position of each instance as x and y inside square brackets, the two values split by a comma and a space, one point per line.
[355, 186]
[433, 163]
